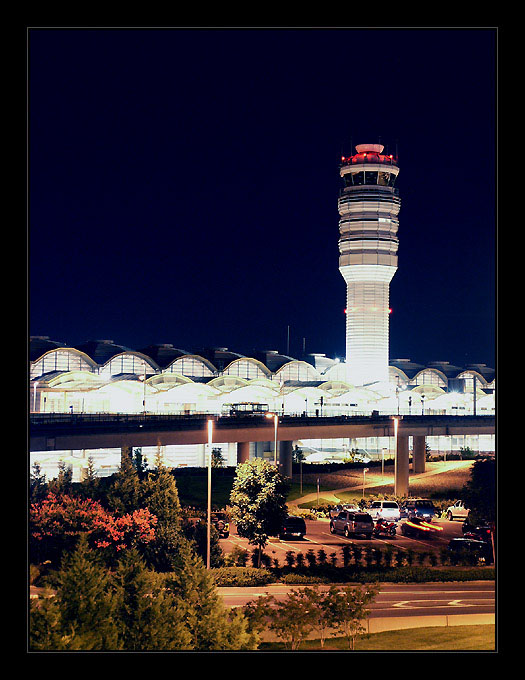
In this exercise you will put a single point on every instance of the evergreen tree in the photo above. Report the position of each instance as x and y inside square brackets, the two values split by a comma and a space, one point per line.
[82, 614]
[149, 617]
[161, 497]
[125, 493]
[89, 486]
[211, 625]
[217, 459]
[63, 483]
[37, 484]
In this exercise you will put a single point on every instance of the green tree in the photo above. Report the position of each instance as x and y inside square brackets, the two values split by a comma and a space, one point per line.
[90, 483]
[161, 497]
[63, 483]
[217, 459]
[258, 501]
[291, 619]
[140, 462]
[348, 610]
[479, 493]
[198, 533]
[322, 609]
[298, 455]
[37, 484]
[211, 625]
[125, 492]
[150, 618]
[82, 615]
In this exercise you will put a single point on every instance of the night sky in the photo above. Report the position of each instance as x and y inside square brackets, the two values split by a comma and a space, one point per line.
[184, 183]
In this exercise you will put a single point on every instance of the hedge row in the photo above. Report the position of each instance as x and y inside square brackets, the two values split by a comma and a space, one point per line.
[251, 576]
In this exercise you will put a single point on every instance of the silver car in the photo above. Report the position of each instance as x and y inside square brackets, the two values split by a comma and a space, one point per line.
[385, 510]
[352, 523]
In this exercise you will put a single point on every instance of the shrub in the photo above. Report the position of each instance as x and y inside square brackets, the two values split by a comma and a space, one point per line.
[321, 556]
[241, 576]
[299, 558]
[347, 554]
[289, 558]
[311, 558]
[237, 558]
[303, 579]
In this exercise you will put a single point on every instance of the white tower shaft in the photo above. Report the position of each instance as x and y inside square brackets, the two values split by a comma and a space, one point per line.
[368, 207]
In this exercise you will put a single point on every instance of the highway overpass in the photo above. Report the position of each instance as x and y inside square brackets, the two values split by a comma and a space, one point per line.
[59, 432]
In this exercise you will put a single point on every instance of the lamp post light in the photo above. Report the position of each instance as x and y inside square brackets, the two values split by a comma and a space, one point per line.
[422, 404]
[34, 396]
[142, 378]
[275, 424]
[365, 470]
[208, 536]
[396, 425]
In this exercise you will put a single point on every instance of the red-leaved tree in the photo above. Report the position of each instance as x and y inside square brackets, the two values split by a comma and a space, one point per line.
[58, 520]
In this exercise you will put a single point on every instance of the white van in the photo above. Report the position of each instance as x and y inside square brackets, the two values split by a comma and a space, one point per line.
[384, 510]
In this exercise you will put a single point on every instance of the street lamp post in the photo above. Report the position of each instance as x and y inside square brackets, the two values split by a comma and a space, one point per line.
[208, 536]
[275, 423]
[396, 424]
[422, 404]
[365, 470]
[34, 396]
[143, 380]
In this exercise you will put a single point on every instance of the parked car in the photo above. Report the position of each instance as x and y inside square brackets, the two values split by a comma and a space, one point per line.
[220, 521]
[293, 526]
[361, 456]
[419, 527]
[418, 507]
[345, 506]
[479, 531]
[352, 523]
[471, 546]
[457, 510]
[385, 510]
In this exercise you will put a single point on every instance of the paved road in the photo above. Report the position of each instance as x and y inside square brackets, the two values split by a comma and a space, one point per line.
[397, 600]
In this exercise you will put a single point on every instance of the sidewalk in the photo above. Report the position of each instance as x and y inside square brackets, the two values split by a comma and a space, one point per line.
[331, 496]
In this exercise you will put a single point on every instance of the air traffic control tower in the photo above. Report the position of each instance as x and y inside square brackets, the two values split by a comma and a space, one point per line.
[369, 205]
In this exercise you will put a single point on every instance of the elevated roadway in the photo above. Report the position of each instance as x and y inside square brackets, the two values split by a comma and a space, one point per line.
[58, 432]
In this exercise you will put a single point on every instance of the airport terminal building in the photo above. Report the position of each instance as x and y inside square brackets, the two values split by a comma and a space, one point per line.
[101, 376]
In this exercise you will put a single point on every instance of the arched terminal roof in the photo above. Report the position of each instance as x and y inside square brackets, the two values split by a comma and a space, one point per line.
[163, 354]
[101, 351]
[40, 344]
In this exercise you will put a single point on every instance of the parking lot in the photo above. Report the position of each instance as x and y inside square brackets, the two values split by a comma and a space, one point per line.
[318, 537]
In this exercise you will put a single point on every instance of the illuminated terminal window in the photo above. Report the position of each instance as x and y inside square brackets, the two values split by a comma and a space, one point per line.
[429, 377]
[191, 366]
[61, 360]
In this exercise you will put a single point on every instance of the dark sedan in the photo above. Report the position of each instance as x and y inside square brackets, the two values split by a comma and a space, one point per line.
[293, 527]
[470, 548]
[417, 527]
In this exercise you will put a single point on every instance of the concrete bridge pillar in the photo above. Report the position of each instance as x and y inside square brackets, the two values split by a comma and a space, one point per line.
[401, 467]
[243, 452]
[419, 454]
[285, 458]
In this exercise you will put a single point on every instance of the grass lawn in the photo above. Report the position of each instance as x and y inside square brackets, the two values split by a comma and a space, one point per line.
[452, 638]
[193, 490]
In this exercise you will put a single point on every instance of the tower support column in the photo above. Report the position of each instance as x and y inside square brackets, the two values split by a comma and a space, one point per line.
[419, 454]
[243, 452]
[285, 458]
[401, 466]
